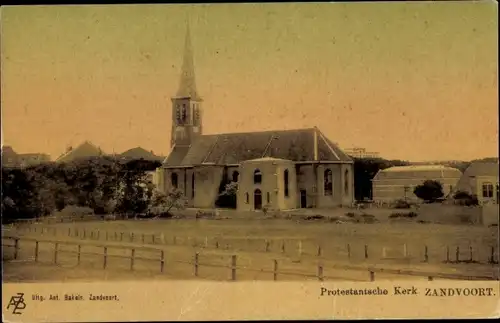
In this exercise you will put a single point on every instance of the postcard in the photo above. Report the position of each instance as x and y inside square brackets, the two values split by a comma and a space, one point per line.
[252, 161]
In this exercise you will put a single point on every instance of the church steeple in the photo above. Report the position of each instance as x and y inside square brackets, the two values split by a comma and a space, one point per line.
[187, 85]
[186, 105]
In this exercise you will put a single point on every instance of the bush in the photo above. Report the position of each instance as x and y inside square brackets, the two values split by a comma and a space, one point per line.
[397, 215]
[401, 204]
[314, 217]
[466, 199]
[430, 191]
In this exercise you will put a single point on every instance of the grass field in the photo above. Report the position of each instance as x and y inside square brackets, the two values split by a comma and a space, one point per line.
[217, 240]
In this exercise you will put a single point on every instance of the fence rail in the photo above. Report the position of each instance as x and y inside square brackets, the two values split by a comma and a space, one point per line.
[231, 265]
[299, 246]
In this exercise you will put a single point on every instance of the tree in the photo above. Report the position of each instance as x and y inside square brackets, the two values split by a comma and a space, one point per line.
[464, 198]
[430, 191]
[365, 170]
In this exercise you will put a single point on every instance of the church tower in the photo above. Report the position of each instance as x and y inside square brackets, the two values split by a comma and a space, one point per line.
[186, 105]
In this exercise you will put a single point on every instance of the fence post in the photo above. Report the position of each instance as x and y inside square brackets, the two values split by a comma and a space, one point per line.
[470, 256]
[91, 234]
[426, 254]
[196, 264]
[348, 251]
[405, 250]
[153, 238]
[69, 232]
[121, 236]
[267, 245]
[132, 237]
[36, 251]
[300, 248]
[56, 246]
[492, 256]
[283, 246]
[275, 270]
[98, 234]
[105, 257]
[233, 267]
[372, 275]
[457, 254]
[116, 236]
[447, 253]
[320, 272]
[366, 251]
[162, 261]
[216, 244]
[132, 259]
[79, 254]
[319, 250]
[16, 247]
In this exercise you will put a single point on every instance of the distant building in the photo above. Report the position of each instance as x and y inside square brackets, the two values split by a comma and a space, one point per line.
[481, 179]
[12, 159]
[139, 153]
[358, 152]
[83, 151]
[395, 183]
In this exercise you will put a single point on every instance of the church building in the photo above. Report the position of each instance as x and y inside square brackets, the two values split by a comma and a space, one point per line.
[279, 170]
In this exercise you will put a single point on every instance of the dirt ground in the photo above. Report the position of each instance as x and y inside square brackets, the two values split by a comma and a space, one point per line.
[216, 241]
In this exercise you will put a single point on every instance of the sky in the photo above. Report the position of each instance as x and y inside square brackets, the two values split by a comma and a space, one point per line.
[412, 81]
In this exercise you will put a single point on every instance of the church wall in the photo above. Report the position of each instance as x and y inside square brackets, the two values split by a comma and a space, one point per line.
[306, 181]
[207, 181]
[269, 185]
[334, 200]
[348, 196]
[312, 182]
[286, 202]
[166, 181]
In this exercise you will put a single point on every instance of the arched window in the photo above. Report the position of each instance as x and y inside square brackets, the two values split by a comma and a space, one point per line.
[285, 180]
[487, 189]
[257, 177]
[328, 181]
[236, 174]
[192, 185]
[346, 182]
[173, 180]
[184, 113]
[247, 198]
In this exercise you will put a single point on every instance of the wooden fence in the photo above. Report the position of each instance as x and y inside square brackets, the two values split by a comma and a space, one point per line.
[231, 266]
[451, 254]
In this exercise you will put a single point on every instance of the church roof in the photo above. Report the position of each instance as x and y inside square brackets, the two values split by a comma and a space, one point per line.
[187, 85]
[233, 148]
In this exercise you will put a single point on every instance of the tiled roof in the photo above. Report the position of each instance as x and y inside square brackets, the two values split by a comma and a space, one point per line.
[85, 150]
[233, 148]
[417, 172]
[138, 153]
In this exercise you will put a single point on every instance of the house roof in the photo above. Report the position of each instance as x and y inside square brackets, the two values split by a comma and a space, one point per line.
[8, 151]
[417, 172]
[138, 153]
[85, 150]
[482, 169]
[233, 148]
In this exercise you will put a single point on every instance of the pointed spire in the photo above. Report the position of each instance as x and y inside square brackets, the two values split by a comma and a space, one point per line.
[187, 86]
